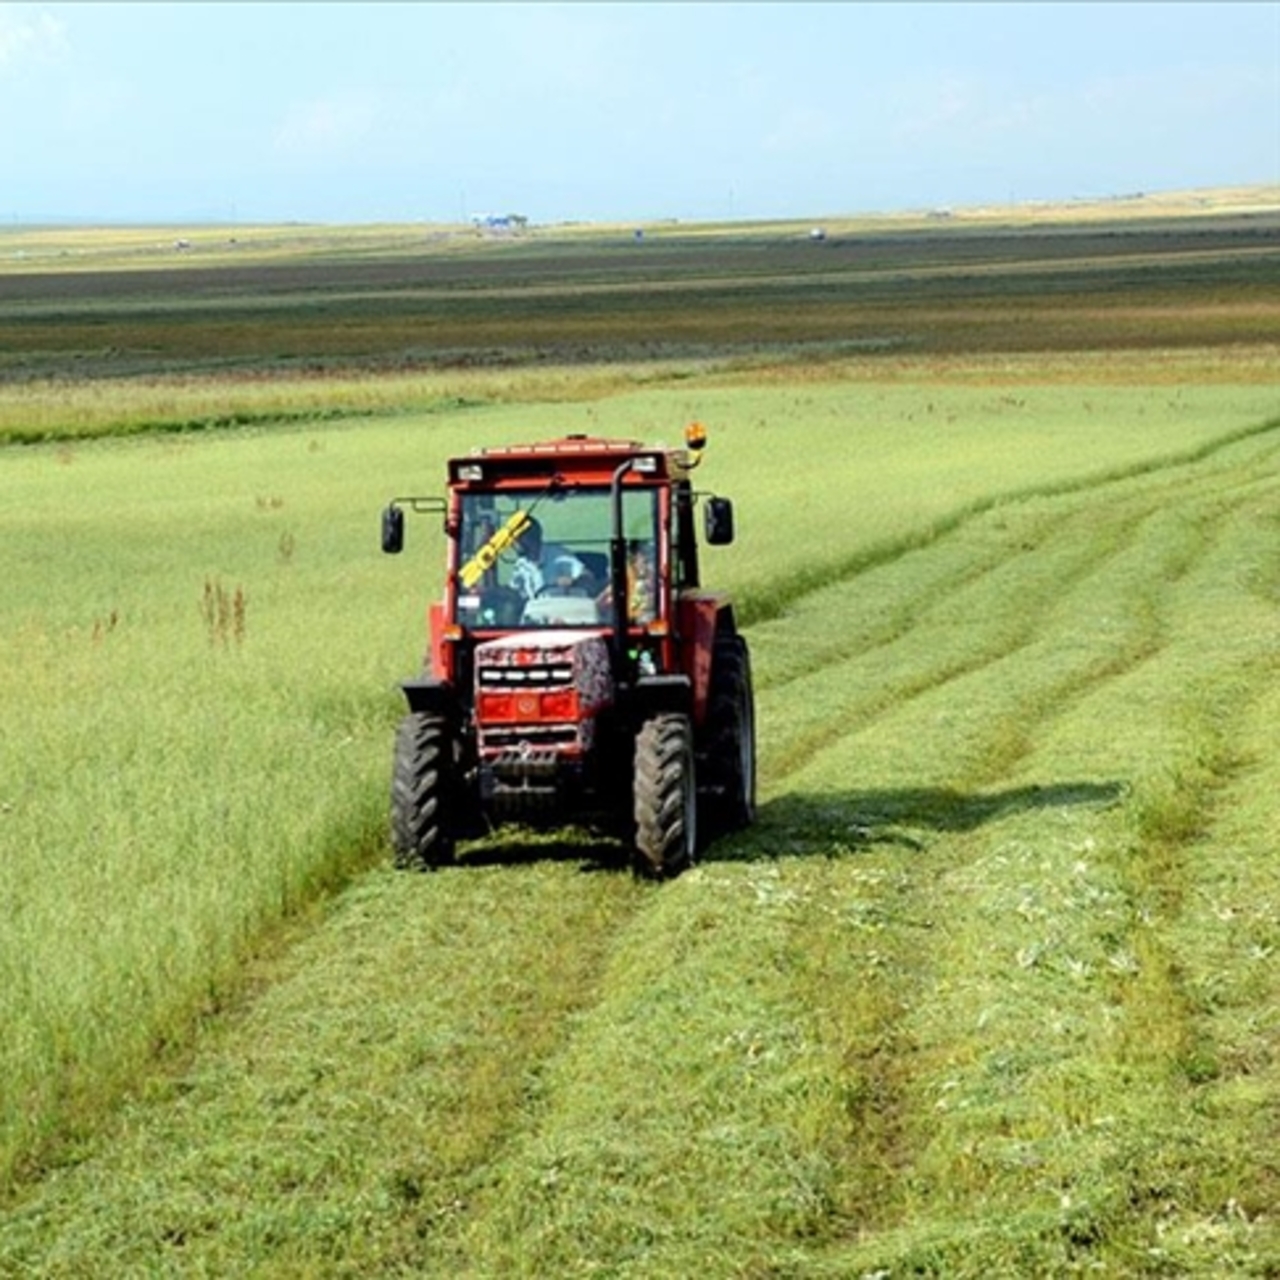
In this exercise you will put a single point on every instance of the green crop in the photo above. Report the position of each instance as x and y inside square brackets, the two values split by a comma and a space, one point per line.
[988, 990]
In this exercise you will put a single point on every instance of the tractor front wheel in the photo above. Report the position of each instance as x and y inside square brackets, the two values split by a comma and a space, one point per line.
[665, 797]
[421, 835]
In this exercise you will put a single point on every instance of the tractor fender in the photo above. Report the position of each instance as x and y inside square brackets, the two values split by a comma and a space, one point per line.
[701, 616]
[653, 694]
[437, 655]
[427, 693]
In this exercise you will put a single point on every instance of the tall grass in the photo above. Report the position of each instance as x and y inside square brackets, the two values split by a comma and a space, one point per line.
[174, 778]
[279, 393]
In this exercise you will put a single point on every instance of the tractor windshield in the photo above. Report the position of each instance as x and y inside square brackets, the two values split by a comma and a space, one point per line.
[542, 559]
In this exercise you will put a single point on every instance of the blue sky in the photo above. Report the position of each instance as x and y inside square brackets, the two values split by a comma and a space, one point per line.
[367, 112]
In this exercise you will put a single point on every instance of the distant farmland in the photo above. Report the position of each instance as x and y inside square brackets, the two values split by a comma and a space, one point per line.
[989, 990]
[397, 301]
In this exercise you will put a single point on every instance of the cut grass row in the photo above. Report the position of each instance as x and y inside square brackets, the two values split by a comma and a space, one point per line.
[987, 991]
[1074, 1056]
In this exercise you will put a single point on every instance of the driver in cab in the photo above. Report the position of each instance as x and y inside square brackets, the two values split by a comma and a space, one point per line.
[531, 578]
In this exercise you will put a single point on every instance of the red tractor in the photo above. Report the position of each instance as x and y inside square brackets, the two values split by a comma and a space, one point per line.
[576, 670]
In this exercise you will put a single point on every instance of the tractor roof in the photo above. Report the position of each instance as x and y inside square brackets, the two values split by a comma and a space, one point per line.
[569, 454]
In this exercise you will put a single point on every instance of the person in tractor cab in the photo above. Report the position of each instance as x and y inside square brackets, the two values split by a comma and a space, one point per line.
[531, 577]
[642, 584]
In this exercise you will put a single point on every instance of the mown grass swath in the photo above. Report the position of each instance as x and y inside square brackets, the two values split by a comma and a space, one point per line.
[988, 989]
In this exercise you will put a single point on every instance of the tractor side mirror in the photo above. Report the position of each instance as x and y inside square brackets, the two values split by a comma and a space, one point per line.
[393, 531]
[719, 521]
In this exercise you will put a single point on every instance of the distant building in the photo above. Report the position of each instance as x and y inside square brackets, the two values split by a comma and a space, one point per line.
[499, 222]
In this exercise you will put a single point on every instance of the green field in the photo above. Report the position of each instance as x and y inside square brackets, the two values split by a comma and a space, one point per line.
[990, 989]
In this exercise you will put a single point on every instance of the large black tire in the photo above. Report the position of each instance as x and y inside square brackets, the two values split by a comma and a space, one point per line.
[421, 790]
[728, 764]
[665, 796]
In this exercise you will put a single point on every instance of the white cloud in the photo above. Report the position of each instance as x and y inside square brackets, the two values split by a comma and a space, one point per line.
[1186, 91]
[29, 36]
[944, 108]
[799, 130]
[329, 127]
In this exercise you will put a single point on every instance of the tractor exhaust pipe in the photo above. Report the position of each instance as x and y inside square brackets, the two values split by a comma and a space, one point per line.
[618, 576]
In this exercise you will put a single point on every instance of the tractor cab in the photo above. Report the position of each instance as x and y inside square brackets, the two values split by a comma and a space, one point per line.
[541, 557]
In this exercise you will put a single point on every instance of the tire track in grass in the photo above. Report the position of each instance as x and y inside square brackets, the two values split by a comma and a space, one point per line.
[951, 558]
[885, 1057]
[1206, 519]
[1166, 562]
[773, 603]
[1183, 532]
[707, 1107]
[853, 695]
[1201, 1190]
[1066, 1064]
[954, 639]
[334, 1123]
[1224, 944]
[888, 605]
[1197, 827]
[1066, 669]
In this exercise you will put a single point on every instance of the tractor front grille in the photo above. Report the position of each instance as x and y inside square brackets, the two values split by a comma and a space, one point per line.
[511, 739]
[535, 676]
[540, 696]
[527, 706]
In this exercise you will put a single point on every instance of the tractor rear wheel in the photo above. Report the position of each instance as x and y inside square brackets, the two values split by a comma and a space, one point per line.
[665, 796]
[421, 835]
[729, 763]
